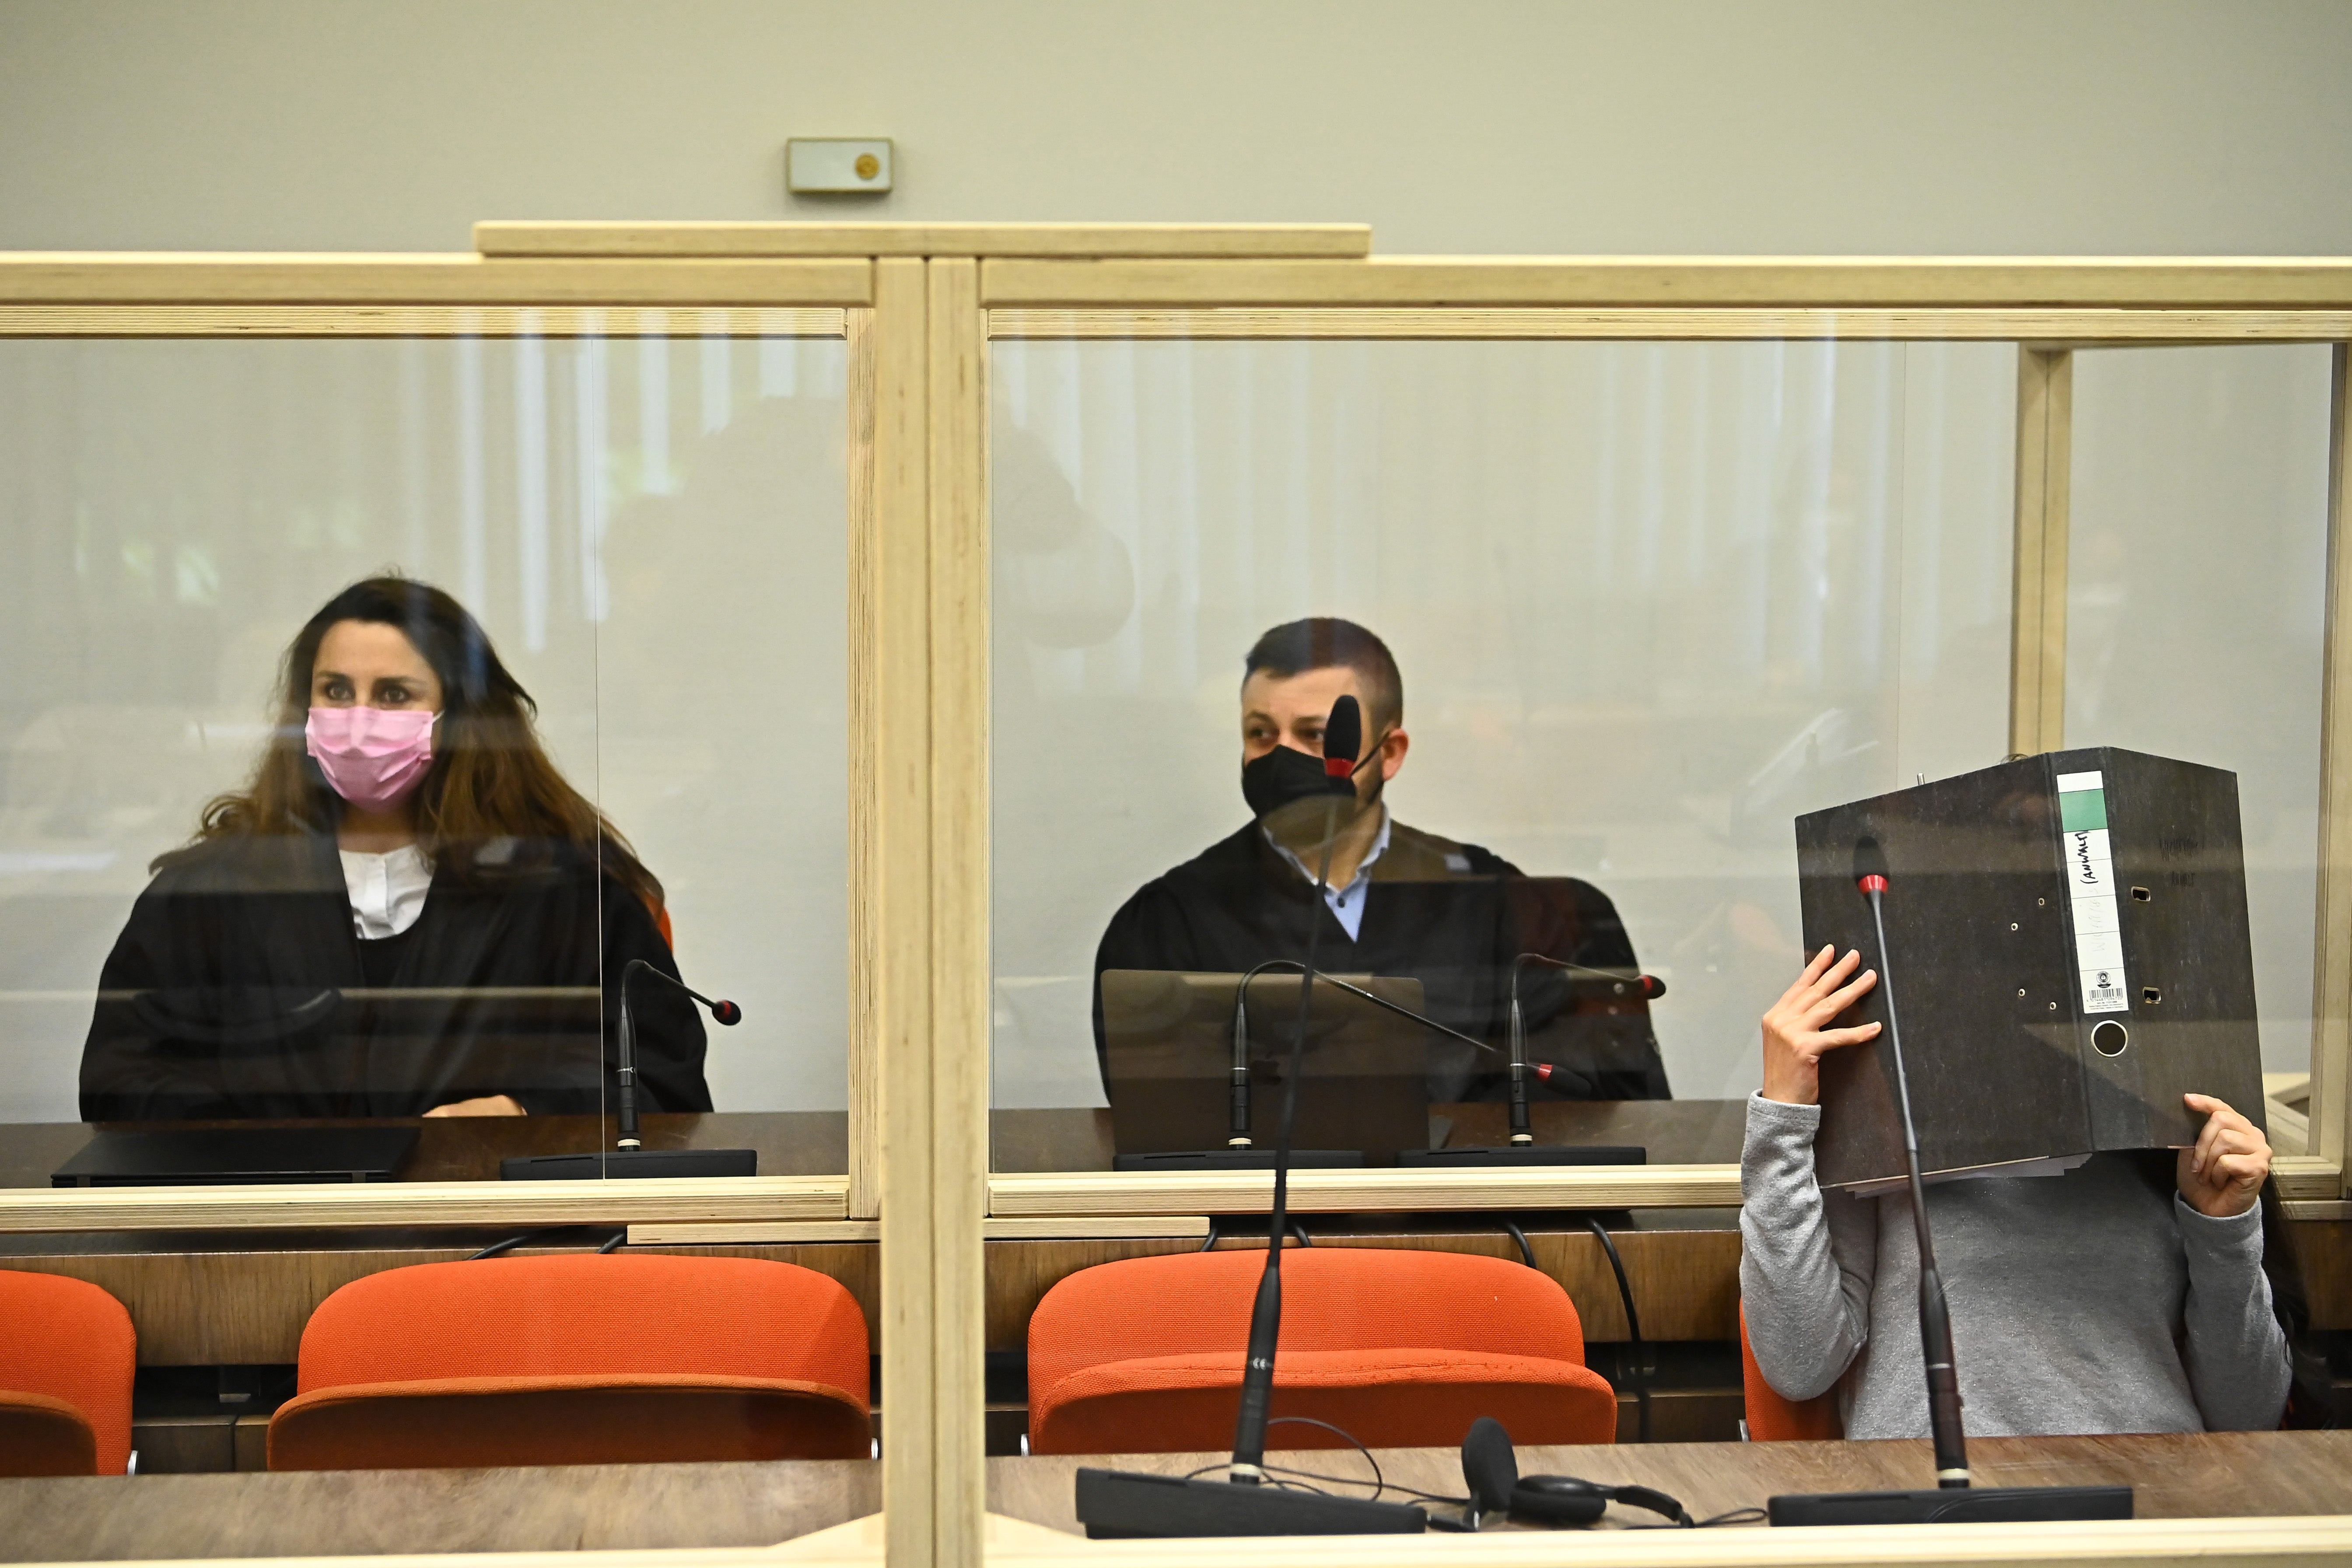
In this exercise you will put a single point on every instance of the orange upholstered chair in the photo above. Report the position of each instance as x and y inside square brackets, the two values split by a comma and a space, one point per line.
[1401, 1347]
[1773, 1419]
[578, 1359]
[67, 1355]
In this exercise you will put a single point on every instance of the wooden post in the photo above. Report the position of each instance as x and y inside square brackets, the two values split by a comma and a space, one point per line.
[890, 737]
[2331, 969]
[2037, 660]
[960, 901]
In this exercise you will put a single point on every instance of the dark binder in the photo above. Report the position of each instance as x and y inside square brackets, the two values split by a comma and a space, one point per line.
[2070, 940]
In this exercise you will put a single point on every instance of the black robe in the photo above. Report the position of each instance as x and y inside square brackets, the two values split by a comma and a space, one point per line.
[1453, 916]
[239, 989]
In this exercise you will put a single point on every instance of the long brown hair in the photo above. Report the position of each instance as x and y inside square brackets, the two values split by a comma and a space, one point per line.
[492, 803]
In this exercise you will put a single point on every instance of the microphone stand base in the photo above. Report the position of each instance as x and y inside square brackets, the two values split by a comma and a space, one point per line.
[1953, 1505]
[1126, 1505]
[619, 1163]
[1531, 1154]
[1240, 1160]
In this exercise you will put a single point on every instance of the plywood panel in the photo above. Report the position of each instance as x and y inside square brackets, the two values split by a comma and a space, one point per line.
[1370, 1191]
[2074, 327]
[959, 898]
[320, 1206]
[410, 321]
[247, 1306]
[957, 239]
[2330, 1103]
[2250, 283]
[2037, 664]
[159, 277]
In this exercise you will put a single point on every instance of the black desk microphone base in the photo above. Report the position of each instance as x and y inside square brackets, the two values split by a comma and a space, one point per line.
[1954, 1505]
[1240, 1160]
[630, 1163]
[1122, 1505]
[1529, 1155]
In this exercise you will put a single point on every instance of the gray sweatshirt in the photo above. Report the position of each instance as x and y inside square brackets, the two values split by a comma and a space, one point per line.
[2086, 1302]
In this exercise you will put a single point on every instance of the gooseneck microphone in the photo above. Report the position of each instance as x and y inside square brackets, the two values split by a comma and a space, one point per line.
[1343, 736]
[1649, 986]
[1935, 1312]
[1113, 1504]
[1954, 1500]
[629, 1156]
[624, 1042]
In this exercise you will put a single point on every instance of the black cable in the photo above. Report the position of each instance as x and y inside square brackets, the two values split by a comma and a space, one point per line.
[1211, 1239]
[1299, 1231]
[1633, 1327]
[1526, 1250]
[1380, 1483]
[510, 1243]
[619, 1240]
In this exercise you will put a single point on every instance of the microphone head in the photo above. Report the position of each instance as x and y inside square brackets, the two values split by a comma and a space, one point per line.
[1869, 862]
[1653, 987]
[1489, 1468]
[1343, 737]
[727, 1012]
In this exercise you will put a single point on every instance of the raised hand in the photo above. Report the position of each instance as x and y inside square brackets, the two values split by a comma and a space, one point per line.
[1795, 1039]
[2222, 1175]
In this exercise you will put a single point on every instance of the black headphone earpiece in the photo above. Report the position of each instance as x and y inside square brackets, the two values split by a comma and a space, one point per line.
[1490, 1468]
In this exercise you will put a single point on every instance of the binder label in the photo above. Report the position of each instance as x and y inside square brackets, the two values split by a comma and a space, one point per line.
[2090, 887]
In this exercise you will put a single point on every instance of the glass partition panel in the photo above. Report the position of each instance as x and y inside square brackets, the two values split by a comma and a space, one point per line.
[1647, 602]
[723, 712]
[173, 513]
[2196, 586]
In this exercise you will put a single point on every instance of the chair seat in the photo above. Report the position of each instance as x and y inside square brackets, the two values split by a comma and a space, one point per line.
[1387, 1398]
[41, 1435]
[579, 1419]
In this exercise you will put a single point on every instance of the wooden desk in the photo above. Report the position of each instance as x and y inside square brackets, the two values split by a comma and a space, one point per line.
[658, 1506]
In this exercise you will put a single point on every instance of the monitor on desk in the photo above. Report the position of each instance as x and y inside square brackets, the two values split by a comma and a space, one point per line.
[1169, 1039]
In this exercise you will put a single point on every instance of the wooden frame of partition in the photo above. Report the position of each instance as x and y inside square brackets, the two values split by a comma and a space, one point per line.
[2049, 308]
[77, 296]
[918, 305]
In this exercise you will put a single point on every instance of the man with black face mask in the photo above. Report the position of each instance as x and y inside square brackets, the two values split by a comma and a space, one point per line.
[1400, 901]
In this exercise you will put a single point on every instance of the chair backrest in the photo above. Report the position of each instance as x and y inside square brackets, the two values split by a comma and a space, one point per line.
[1400, 1346]
[1774, 1419]
[587, 1313]
[1333, 1299]
[69, 1346]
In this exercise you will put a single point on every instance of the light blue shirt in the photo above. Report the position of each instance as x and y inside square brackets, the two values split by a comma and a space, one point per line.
[1347, 904]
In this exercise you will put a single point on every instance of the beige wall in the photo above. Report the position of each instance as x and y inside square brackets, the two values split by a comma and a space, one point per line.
[1518, 125]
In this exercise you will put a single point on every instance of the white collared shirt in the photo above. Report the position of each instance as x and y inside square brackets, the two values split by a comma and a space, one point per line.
[387, 891]
[1347, 904]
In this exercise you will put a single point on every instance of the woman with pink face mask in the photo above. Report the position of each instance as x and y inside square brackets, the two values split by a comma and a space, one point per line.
[407, 911]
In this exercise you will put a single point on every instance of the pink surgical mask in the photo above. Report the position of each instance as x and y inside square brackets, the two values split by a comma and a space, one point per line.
[372, 756]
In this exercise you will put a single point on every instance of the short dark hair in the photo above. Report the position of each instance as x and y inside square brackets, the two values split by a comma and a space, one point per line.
[1327, 642]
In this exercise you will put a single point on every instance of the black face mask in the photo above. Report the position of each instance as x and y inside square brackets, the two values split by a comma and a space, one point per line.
[1285, 776]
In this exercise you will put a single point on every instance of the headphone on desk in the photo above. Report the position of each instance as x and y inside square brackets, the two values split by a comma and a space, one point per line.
[1490, 1468]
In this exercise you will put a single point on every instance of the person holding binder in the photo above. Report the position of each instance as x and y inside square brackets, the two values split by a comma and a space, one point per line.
[407, 911]
[1401, 902]
[2131, 1294]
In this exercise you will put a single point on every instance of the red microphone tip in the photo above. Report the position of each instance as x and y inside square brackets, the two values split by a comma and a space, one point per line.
[727, 1012]
[1543, 1070]
[1339, 767]
[1872, 883]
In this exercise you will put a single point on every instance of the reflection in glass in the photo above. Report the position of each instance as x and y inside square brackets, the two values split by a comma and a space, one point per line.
[171, 512]
[2196, 581]
[1648, 601]
[400, 914]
